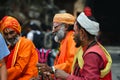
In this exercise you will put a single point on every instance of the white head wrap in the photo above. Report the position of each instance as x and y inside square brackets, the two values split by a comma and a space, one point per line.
[91, 26]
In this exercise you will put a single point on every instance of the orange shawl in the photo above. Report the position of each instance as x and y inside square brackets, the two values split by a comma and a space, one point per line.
[65, 57]
[24, 60]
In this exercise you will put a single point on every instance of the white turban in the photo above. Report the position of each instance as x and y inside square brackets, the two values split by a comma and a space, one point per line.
[90, 26]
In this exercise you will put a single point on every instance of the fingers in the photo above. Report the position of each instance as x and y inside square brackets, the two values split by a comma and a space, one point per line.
[47, 73]
[41, 64]
[43, 67]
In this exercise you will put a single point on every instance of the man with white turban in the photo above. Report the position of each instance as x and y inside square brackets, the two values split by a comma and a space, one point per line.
[92, 62]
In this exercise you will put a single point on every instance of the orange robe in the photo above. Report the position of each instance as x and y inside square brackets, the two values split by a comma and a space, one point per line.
[23, 61]
[66, 54]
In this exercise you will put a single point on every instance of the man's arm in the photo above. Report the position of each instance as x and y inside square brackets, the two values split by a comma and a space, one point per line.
[91, 70]
[3, 70]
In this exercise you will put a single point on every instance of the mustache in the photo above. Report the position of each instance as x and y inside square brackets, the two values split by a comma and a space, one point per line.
[12, 41]
[77, 41]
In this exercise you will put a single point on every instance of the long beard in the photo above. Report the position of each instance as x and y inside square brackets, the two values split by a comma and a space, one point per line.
[59, 35]
[77, 41]
[13, 41]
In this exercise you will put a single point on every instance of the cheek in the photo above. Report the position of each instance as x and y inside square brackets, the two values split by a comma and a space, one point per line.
[75, 35]
[76, 32]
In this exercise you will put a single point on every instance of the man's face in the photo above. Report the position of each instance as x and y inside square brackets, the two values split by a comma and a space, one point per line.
[10, 36]
[59, 32]
[77, 36]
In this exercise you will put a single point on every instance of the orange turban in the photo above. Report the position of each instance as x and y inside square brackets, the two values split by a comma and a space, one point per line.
[64, 18]
[10, 22]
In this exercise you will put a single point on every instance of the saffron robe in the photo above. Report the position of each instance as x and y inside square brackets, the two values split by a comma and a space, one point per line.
[66, 53]
[21, 63]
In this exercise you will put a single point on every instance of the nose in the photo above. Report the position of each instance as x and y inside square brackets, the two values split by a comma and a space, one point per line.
[53, 30]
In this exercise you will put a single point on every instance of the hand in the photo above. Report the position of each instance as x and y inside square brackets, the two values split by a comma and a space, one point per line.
[61, 74]
[43, 67]
[45, 71]
[47, 76]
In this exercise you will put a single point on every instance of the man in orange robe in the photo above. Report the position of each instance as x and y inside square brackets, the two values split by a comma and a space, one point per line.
[22, 60]
[63, 34]
[63, 30]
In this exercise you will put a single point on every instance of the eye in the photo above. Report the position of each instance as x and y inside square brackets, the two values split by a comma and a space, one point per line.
[11, 32]
[55, 27]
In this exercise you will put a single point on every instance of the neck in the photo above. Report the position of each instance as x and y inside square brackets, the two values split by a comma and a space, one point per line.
[87, 44]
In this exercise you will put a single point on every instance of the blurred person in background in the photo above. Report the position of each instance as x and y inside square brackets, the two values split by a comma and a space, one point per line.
[4, 51]
[35, 33]
[23, 57]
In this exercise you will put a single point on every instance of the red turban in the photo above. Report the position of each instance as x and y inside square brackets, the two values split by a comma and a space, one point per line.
[10, 22]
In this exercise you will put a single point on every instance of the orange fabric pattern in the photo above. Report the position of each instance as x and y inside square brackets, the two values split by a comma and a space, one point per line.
[24, 67]
[10, 22]
[64, 59]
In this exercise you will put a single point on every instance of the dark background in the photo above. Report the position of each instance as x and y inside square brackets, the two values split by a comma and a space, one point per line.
[106, 12]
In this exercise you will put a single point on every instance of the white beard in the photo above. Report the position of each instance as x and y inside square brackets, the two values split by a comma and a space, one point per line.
[60, 35]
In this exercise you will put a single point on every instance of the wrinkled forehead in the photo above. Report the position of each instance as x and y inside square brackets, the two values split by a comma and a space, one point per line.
[7, 30]
[56, 24]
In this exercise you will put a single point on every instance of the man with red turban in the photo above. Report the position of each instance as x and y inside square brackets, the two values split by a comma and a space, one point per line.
[22, 60]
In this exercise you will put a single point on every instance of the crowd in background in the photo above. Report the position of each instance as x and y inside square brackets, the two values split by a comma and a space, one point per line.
[36, 22]
[35, 18]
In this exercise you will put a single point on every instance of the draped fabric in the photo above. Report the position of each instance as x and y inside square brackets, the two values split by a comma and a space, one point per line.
[10, 22]
[66, 54]
[95, 64]
[23, 59]
[8, 59]
[64, 18]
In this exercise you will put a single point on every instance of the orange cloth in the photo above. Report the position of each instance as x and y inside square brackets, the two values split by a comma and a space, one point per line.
[10, 22]
[0, 64]
[64, 18]
[65, 57]
[8, 59]
[24, 60]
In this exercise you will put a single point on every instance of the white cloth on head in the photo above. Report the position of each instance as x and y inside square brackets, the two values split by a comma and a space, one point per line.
[90, 26]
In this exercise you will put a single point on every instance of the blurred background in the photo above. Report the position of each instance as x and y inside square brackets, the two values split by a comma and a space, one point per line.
[105, 11]
[40, 13]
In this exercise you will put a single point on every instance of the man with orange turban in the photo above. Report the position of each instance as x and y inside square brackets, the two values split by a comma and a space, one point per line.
[22, 60]
[63, 30]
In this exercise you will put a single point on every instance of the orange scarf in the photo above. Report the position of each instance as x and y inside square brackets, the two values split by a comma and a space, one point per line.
[8, 59]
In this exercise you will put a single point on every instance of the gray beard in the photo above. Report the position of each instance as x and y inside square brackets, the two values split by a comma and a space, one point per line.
[59, 35]
[12, 43]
